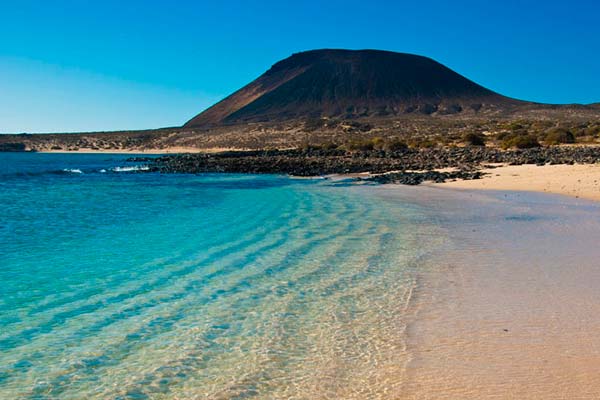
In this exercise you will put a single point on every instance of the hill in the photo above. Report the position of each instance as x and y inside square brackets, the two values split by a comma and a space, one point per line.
[350, 84]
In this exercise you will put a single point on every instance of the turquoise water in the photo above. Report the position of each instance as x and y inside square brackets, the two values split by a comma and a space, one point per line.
[121, 285]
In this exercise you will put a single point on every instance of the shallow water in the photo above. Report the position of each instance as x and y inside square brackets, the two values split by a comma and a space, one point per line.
[121, 285]
[511, 308]
[117, 285]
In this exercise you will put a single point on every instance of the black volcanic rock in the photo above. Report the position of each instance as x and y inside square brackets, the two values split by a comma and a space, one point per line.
[406, 166]
[346, 83]
[12, 147]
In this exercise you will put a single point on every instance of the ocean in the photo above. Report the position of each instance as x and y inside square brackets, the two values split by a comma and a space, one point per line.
[123, 285]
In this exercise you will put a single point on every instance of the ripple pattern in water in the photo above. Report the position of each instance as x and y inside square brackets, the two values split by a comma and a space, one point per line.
[206, 287]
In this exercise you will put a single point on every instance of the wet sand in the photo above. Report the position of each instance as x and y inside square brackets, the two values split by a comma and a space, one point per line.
[573, 180]
[510, 309]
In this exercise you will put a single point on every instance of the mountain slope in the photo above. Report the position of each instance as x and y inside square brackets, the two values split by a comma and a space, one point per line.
[325, 83]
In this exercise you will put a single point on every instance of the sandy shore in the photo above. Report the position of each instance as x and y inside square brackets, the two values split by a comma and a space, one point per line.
[170, 150]
[581, 181]
[508, 307]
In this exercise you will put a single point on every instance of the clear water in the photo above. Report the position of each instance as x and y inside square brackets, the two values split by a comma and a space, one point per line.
[120, 285]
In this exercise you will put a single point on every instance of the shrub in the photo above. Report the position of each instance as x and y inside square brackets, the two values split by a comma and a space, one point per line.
[504, 135]
[578, 132]
[359, 145]
[559, 136]
[516, 126]
[363, 127]
[521, 142]
[422, 143]
[593, 131]
[395, 145]
[329, 146]
[312, 124]
[378, 143]
[473, 139]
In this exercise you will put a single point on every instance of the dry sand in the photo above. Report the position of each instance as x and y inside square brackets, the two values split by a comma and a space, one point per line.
[572, 180]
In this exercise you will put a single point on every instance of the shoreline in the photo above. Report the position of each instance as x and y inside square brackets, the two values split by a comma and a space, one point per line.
[578, 180]
[508, 306]
[170, 150]
[570, 171]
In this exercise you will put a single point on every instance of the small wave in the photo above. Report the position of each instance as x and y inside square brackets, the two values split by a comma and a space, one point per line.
[73, 170]
[131, 168]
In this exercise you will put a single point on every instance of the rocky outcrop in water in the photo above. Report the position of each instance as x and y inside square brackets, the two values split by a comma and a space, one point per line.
[416, 178]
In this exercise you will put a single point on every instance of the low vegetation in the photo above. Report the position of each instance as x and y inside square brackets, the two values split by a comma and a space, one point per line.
[474, 139]
[514, 134]
[366, 144]
[555, 136]
[387, 135]
[520, 142]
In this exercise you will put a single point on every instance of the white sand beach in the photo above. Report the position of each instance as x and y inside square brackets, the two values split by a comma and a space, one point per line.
[581, 181]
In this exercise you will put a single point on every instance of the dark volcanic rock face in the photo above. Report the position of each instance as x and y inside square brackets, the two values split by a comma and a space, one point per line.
[346, 83]
[12, 147]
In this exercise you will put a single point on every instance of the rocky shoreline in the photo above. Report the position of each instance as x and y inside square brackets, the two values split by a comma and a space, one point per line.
[406, 166]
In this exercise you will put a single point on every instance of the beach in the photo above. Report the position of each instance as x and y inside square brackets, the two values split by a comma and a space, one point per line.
[510, 308]
[579, 180]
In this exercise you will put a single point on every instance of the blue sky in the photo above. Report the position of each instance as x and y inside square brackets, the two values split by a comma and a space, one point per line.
[106, 65]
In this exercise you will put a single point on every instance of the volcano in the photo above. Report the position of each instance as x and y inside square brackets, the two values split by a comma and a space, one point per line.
[349, 84]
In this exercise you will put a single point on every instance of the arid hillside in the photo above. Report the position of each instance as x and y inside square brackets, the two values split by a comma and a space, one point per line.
[343, 97]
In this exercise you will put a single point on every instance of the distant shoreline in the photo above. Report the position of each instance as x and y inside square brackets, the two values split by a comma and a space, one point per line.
[572, 171]
[170, 150]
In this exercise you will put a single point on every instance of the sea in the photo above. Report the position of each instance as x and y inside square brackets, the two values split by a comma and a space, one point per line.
[117, 283]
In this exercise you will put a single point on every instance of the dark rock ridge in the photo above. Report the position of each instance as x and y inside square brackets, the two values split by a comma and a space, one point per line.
[416, 178]
[12, 147]
[351, 83]
[408, 166]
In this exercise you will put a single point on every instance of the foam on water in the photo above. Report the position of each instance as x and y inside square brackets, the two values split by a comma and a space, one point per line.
[215, 286]
[73, 170]
[131, 168]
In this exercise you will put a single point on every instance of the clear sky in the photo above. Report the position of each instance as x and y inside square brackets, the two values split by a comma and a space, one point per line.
[107, 64]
